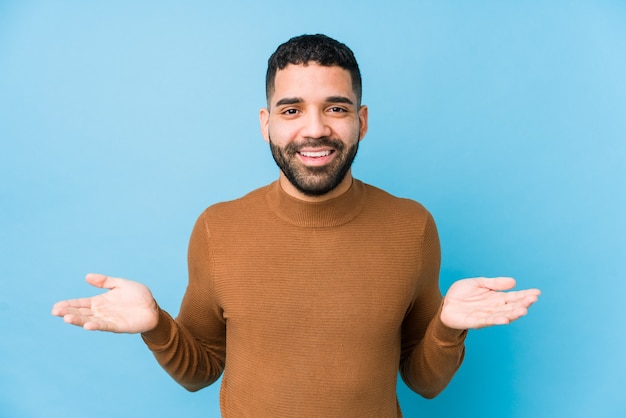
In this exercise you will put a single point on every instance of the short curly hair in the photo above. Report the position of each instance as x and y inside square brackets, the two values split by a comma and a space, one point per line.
[319, 49]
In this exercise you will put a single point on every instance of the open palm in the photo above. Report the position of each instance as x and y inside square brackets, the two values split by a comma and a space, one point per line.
[482, 302]
[128, 307]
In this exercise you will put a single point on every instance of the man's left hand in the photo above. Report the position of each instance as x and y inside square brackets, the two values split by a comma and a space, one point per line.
[482, 302]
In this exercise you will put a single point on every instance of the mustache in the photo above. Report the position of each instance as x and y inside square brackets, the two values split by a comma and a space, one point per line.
[315, 143]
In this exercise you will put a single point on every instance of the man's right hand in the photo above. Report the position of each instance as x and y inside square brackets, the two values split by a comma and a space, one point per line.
[128, 307]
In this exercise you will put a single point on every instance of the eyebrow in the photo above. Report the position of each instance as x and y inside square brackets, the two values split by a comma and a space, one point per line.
[330, 99]
[339, 99]
[289, 101]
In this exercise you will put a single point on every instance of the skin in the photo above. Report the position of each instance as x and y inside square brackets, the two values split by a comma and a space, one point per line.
[308, 102]
[311, 102]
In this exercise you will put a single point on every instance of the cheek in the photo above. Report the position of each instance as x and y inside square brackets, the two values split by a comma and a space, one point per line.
[348, 129]
[350, 133]
[281, 133]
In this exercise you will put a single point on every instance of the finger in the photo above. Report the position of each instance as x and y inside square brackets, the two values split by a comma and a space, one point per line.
[63, 307]
[515, 296]
[493, 319]
[517, 313]
[497, 283]
[93, 325]
[513, 313]
[502, 317]
[82, 312]
[58, 309]
[73, 319]
[100, 280]
[499, 320]
[533, 293]
[522, 297]
[86, 320]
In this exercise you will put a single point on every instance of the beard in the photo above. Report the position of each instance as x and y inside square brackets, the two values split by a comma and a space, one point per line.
[315, 181]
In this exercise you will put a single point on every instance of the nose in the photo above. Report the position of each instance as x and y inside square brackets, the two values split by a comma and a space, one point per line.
[315, 125]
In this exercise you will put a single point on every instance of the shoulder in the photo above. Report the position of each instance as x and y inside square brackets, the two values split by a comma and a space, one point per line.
[382, 200]
[401, 222]
[253, 198]
[247, 208]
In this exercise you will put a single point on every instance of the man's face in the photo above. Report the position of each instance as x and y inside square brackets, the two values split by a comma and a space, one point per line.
[313, 125]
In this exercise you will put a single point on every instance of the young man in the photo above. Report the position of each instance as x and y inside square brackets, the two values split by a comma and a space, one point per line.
[311, 293]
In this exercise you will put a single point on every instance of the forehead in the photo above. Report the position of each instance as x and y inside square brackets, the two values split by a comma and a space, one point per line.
[312, 80]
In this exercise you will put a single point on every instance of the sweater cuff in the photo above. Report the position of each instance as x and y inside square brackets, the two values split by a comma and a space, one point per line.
[444, 334]
[160, 335]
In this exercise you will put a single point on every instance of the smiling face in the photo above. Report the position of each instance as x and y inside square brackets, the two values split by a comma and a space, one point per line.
[313, 124]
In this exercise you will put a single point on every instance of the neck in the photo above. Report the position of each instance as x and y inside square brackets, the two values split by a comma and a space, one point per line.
[341, 188]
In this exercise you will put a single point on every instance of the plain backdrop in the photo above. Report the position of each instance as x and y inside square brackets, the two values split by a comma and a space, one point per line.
[120, 121]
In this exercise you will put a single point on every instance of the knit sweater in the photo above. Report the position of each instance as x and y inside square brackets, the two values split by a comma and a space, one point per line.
[311, 309]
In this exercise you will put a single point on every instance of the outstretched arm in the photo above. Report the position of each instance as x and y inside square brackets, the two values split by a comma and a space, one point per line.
[128, 307]
[483, 302]
[189, 350]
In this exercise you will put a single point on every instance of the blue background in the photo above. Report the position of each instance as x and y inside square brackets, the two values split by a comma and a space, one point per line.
[121, 121]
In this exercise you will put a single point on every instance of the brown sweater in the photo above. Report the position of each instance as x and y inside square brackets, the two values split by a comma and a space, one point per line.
[311, 309]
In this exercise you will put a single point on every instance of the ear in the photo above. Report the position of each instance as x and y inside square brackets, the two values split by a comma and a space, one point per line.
[363, 115]
[264, 119]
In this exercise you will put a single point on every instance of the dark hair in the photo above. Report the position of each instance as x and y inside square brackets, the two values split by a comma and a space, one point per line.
[320, 49]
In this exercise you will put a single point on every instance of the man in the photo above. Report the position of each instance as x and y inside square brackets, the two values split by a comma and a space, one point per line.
[311, 293]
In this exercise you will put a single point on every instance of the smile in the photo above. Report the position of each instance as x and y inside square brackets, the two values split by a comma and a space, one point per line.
[315, 154]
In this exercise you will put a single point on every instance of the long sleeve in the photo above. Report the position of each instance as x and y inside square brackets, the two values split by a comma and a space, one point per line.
[323, 302]
[431, 352]
[192, 348]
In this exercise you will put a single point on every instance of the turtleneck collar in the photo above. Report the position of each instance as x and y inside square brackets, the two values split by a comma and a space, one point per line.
[333, 212]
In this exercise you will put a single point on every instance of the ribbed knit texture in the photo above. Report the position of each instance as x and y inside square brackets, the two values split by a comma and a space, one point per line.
[312, 307]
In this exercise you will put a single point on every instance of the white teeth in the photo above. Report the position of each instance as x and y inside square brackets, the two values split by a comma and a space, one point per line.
[314, 154]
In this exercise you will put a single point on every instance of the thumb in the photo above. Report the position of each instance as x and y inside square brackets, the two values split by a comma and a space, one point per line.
[100, 280]
[497, 283]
